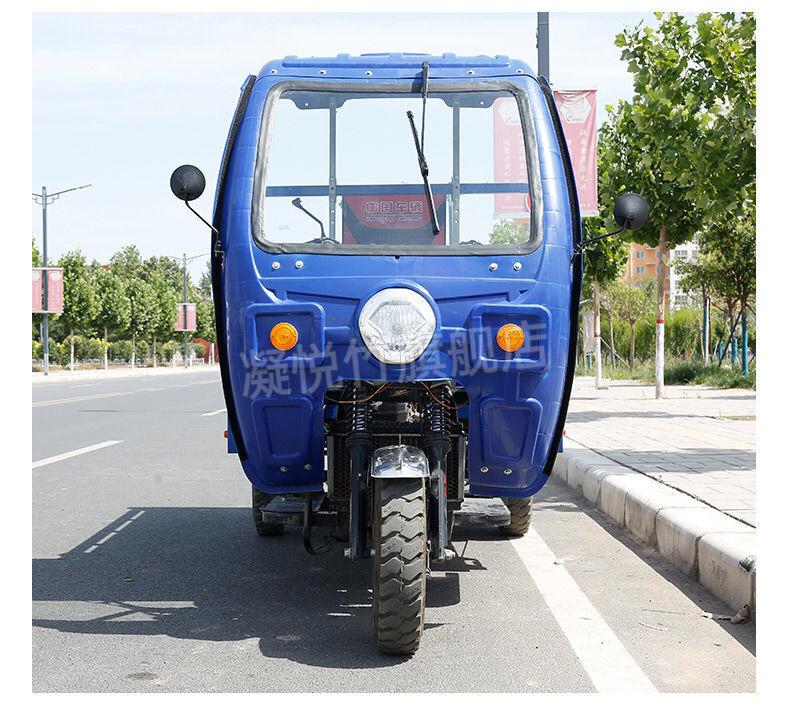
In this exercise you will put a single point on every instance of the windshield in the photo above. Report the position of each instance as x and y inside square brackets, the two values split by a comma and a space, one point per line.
[342, 173]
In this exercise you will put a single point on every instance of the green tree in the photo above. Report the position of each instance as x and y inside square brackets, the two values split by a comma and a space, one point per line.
[604, 259]
[730, 245]
[630, 304]
[206, 327]
[699, 276]
[205, 287]
[687, 137]
[127, 263]
[141, 300]
[79, 297]
[114, 308]
[657, 138]
[166, 268]
[162, 312]
[509, 232]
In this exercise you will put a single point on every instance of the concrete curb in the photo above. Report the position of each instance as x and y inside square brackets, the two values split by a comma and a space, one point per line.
[715, 549]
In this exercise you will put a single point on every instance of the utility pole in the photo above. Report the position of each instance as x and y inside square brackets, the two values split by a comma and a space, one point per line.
[543, 45]
[44, 199]
[186, 346]
[184, 262]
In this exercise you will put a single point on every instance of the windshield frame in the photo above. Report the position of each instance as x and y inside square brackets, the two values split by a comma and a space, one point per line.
[399, 87]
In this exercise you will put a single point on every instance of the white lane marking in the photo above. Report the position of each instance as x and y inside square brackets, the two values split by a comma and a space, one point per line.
[80, 399]
[67, 400]
[600, 652]
[219, 411]
[76, 452]
[110, 535]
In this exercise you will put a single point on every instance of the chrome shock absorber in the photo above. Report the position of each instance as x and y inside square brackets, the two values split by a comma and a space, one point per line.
[436, 442]
[359, 444]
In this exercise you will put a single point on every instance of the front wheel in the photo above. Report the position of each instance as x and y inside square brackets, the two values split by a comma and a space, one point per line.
[520, 516]
[399, 564]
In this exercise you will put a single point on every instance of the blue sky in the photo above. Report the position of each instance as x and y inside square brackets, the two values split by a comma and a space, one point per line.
[119, 100]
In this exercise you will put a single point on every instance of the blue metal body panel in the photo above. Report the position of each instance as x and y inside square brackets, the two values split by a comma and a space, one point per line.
[278, 400]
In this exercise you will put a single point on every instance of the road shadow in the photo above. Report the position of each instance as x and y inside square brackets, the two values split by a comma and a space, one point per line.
[203, 574]
[588, 416]
[694, 461]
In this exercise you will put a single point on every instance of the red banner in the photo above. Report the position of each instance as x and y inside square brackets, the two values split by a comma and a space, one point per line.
[55, 290]
[577, 116]
[510, 159]
[191, 317]
[392, 220]
[38, 291]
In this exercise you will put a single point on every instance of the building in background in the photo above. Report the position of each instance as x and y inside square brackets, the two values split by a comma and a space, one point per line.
[685, 251]
[642, 267]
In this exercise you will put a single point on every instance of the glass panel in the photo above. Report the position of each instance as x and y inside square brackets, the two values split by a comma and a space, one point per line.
[474, 148]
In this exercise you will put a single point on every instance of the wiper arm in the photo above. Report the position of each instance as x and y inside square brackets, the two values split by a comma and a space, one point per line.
[298, 203]
[419, 145]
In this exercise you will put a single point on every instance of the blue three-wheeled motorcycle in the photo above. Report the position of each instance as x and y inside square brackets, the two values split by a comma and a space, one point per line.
[396, 267]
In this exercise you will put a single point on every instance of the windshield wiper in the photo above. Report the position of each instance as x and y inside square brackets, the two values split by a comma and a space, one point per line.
[419, 144]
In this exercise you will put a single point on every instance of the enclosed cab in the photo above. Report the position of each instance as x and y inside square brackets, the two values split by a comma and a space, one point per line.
[396, 269]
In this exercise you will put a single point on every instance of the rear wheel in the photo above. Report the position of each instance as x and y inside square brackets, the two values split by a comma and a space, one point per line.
[399, 564]
[259, 501]
[520, 516]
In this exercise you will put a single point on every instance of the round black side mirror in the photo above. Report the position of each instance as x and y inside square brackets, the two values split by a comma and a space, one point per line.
[631, 211]
[187, 183]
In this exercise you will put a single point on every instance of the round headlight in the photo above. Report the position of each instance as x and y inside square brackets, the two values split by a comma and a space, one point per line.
[397, 325]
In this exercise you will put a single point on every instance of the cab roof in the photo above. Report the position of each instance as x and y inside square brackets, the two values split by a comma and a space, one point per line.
[395, 65]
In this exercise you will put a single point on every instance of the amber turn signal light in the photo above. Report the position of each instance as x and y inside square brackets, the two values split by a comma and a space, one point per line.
[284, 336]
[510, 337]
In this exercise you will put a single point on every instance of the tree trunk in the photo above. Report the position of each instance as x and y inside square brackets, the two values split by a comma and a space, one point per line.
[660, 297]
[631, 345]
[705, 328]
[71, 360]
[106, 361]
[597, 332]
[611, 339]
[134, 351]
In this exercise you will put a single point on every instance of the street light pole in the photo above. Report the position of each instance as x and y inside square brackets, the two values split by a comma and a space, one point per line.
[45, 303]
[44, 199]
[185, 312]
[543, 45]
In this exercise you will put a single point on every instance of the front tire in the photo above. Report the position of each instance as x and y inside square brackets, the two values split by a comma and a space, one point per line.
[259, 501]
[520, 516]
[399, 564]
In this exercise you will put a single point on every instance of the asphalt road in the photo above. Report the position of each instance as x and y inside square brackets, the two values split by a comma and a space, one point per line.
[148, 576]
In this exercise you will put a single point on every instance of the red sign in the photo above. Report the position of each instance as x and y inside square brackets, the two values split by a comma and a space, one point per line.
[54, 278]
[392, 220]
[55, 290]
[577, 116]
[510, 159]
[191, 317]
[38, 291]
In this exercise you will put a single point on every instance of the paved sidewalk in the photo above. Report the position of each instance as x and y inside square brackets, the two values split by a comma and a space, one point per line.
[698, 440]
